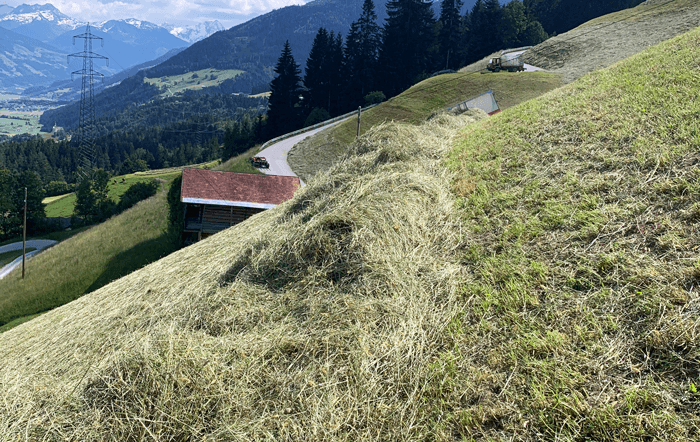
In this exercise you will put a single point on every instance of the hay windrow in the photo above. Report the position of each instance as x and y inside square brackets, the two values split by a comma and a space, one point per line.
[317, 320]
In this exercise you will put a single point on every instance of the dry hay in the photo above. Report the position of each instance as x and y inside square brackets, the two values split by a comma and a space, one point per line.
[318, 320]
[592, 47]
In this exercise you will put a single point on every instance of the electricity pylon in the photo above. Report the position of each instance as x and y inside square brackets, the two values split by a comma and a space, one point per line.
[87, 132]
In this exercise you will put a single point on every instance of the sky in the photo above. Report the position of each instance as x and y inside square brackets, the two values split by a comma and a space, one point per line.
[177, 12]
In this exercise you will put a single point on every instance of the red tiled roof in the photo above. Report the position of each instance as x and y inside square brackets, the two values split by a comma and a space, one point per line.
[236, 189]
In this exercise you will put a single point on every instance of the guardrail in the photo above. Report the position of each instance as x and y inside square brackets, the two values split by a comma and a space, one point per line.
[315, 126]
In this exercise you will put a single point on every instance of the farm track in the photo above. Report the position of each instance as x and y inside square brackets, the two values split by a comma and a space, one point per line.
[38, 244]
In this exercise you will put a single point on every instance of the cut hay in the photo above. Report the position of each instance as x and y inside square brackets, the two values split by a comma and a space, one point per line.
[318, 320]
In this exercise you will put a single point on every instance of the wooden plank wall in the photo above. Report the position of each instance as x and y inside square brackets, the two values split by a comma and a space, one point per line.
[228, 215]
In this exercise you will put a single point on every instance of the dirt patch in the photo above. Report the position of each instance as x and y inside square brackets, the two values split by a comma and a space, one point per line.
[603, 42]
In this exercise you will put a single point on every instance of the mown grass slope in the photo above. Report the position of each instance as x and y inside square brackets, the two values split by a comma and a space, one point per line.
[551, 296]
[606, 40]
[581, 237]
[313, 320]
[433, 95]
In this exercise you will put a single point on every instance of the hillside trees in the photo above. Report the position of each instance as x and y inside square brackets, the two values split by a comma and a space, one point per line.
[484, 32]
[361, 51]
[93, 204]
[283, 113]
[408, 41]
[323, 79]
[238, 138]
[450, 34]
[12, 203]
[10, 224]
[35, 194]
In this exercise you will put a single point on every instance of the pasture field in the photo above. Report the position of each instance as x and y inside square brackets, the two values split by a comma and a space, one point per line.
[16, 122]
[197, 80]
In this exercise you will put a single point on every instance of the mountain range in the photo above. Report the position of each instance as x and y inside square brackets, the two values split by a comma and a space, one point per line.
[38, 38]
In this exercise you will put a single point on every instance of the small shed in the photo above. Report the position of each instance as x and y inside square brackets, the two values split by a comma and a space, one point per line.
[215, 201]
[486, 102]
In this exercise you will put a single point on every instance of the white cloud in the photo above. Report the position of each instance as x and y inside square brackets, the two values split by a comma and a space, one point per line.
[228, 12]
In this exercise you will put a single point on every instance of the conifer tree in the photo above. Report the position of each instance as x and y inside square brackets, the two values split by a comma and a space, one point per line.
[283, 112]
[518, 28]
[336, 74]
[369, 41]
[352, 62]
[316, 77]
[450, 34]
[323, 79]
[484, 32]
[407, 39]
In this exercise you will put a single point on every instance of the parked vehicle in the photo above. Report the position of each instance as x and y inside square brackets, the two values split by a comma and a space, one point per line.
[260, 162]
[507, 61]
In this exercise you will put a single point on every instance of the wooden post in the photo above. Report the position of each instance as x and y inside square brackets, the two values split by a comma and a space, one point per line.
[359, 117]
[24, 233]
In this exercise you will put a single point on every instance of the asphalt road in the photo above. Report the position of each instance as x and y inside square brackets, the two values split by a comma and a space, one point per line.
[38, 244]
[276, 154]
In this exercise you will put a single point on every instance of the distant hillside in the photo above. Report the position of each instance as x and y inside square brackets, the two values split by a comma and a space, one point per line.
[24, 61]
[69, 90]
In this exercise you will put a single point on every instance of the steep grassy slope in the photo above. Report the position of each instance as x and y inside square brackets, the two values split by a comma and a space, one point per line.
[606, 40]
[103, 253]
[551, 296]
[581, 228]
[319, 152]
[88, 261]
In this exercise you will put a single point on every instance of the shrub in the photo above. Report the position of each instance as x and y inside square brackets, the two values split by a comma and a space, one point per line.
[135, 193]
[375, 97]
[316, 116]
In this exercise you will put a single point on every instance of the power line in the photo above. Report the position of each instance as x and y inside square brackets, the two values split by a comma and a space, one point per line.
[87, 132]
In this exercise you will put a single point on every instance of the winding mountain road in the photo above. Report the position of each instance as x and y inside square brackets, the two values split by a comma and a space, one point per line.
[38, 244]
[276, 154]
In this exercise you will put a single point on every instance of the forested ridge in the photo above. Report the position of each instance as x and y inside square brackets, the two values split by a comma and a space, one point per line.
[174, 131]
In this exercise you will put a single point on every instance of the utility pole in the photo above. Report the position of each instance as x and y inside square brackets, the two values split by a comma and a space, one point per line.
[87, 131]
[24, 233]
[359, 118]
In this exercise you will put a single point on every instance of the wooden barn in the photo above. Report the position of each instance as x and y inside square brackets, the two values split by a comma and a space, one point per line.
[215, 200]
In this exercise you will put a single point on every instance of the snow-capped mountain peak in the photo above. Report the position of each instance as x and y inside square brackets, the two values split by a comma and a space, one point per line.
[193, 34]
[27, 14]
[108, 25]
